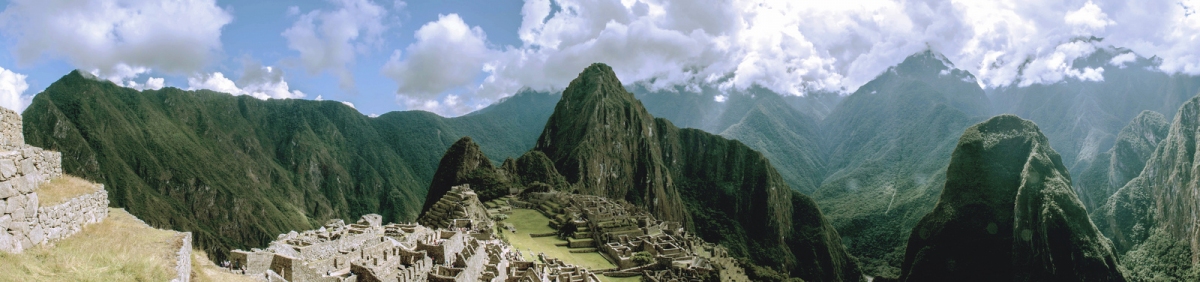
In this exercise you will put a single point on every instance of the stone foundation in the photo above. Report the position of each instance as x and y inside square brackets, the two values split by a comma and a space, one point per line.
[23, 168]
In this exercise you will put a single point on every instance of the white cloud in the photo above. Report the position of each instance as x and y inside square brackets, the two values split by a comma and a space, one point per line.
[1087, 20]
[12, 91]
[258, 81]
[265, 82]
[117, 39]
[720, 98]
[1122, 59]
[215, 81]
[330, 40]
[447, 54]
[152, 83]
[793, 47]
[348, 104]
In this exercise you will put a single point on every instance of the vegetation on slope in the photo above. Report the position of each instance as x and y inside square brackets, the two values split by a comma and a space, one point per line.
[1152, 219]
[887, 147]
[603, 142]
[237, 171]
[1112, 169]
[1008, 213]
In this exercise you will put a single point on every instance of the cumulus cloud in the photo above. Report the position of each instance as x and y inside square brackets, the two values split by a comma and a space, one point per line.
[12, 91]
[258, 81]
[152, 83]
[447, 54]
[117, 39]
[329, 41]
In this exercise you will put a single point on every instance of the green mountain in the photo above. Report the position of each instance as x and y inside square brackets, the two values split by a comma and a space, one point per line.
[887, 146]
[1083, 118]
[1152, 219]
[603, 142]
[237, 171]
[1008, 213]
[1124, 161]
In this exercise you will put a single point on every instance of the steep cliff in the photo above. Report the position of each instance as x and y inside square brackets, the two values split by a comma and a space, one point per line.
[1007, 213]
[1124, 161]
[1156, 211]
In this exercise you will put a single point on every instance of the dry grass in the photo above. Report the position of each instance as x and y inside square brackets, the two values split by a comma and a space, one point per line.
[204, 270]
[60, 189]
[121, 248]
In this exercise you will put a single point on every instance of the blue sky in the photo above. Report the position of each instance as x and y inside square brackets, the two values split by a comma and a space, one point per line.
[453, 57]
[254, 33]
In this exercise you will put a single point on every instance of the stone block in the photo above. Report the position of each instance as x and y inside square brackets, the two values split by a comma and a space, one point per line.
[6, 242]
[18, 227]
[5, 221]
[18, 215]
[25, 243]
[27, 167]
[31, 205]
[7, 190]
[8, 168]
[37, 234]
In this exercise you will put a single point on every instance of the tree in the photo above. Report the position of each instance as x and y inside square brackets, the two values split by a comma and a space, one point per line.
[642, 258]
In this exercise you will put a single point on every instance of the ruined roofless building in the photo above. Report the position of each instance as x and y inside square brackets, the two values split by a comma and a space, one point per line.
[369, 251]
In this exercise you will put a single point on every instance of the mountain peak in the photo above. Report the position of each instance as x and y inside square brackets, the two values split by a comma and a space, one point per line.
[1007, 194]
[597, 81]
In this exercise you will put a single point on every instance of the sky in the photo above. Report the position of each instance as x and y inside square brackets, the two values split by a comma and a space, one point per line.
[452, 57]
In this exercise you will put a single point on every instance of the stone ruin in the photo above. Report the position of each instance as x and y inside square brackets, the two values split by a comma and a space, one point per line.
[23, 169]
[460, 247]
[619, 230]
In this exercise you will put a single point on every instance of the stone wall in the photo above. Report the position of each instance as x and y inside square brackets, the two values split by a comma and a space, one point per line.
[23, 168]
[10, 130]
[183, 263]
[21, 172]
[63, 220]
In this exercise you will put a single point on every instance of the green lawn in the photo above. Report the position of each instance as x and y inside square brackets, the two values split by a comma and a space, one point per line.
[533, 222]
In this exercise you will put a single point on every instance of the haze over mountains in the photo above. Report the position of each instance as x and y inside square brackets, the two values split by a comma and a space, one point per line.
[238, 170]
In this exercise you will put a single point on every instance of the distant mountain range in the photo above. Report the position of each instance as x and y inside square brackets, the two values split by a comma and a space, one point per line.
[874, 160]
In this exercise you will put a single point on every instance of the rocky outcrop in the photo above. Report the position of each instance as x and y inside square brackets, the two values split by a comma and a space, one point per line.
[1165, 196]
[1113, 169]
[1007, 213]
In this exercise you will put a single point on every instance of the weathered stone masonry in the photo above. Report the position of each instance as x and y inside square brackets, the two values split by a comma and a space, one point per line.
[23, 169]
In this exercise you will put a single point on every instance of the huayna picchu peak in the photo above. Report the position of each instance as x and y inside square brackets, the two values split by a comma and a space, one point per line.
[604, 143]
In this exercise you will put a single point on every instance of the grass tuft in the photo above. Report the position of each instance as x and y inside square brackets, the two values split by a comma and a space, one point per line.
[120, 248]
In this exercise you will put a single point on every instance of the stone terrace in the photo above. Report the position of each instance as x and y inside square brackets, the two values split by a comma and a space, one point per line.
[23, 168]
